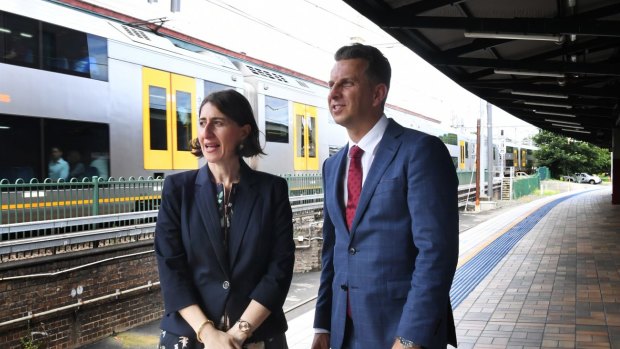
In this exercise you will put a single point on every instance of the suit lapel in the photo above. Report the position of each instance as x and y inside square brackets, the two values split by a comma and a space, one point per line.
[205, 200]
[245, 198]
[386, 150]
[334, 173]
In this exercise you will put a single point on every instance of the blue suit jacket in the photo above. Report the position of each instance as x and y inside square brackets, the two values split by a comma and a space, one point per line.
[399, 258]
[193, 268]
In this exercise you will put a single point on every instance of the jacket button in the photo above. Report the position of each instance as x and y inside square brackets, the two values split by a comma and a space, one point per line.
[226, 285]
[352, 251]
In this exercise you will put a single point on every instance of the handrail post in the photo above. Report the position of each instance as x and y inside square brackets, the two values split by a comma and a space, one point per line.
[1, 213]
[95, 196]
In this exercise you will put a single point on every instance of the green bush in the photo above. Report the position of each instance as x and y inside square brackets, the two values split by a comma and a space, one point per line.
[29, 343]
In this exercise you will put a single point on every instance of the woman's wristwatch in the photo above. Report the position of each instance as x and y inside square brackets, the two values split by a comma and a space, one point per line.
[407, 343]
[244, 327]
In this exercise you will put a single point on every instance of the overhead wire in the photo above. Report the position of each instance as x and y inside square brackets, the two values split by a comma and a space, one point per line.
[257, 20]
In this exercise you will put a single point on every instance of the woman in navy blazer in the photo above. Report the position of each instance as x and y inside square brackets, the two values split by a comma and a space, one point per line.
[224, 239]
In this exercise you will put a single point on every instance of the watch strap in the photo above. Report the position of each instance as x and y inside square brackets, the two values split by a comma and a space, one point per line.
[407, 343]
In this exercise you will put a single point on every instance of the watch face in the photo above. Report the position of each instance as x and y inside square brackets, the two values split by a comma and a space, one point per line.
[244, 326]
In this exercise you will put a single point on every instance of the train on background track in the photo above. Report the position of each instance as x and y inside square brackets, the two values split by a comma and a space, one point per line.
[123, 101]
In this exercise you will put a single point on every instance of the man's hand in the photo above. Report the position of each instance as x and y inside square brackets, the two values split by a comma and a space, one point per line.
[320, 341]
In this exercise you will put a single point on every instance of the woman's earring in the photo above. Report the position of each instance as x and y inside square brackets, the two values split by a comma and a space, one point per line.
[241, 147]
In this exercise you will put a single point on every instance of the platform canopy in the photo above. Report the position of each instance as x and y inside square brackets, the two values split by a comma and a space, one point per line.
[552, 63]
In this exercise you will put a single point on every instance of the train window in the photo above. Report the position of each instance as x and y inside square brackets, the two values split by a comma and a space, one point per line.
[71, 52]
[311, 137]
[276, 120]
[85, 146]
[300, 120]
[84, 143]
[52, 47]
[184, 120]
[18, 40]
[158, 118]
[509, 154]
[23, 133]
[211, 86]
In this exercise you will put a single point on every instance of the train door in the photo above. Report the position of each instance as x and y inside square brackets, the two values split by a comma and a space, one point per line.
[168, 118]
[462, 156]
[515, 157]
[305, 138]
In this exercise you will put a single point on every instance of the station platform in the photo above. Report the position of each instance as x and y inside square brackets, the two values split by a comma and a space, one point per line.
[558, 287]
[541, 274]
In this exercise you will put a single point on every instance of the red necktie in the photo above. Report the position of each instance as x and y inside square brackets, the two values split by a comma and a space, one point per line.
[354, 183]
[354, 188]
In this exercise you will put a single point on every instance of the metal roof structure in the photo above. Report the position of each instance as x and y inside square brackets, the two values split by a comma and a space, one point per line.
[552, 63]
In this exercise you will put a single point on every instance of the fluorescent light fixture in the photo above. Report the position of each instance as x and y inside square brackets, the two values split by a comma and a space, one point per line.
[564, 125]
[26, 35]
[568, 106]
[563, 122]
[553, 113]
[538, 94]
[529, 73]
[514, 36]
[4, 127]
[4, 30]
[580, 131]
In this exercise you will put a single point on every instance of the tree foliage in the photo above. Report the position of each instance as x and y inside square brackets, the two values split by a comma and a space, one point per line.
[565, 156]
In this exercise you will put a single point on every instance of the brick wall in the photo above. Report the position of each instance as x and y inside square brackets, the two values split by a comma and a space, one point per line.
[308, 243]
[308, 256]
[77, 326]
[117, 264]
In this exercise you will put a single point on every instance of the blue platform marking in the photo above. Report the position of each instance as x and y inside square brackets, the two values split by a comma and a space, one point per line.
[469, 275]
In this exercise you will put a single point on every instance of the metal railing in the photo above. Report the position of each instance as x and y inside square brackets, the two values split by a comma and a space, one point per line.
[25, 203]
[305, 191]
[52, 209]
[22, 202]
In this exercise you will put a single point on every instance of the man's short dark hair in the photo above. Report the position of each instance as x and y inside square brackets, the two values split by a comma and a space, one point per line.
[378, 71]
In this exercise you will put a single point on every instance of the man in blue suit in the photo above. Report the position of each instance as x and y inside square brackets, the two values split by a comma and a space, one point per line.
[390, 243]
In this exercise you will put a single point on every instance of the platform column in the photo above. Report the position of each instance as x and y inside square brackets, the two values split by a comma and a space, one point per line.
[615, 167]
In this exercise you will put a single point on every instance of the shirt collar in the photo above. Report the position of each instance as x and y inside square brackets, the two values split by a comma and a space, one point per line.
[369, 142]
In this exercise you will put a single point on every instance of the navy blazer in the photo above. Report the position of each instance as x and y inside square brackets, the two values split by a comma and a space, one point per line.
[193, 267]
[398, 261]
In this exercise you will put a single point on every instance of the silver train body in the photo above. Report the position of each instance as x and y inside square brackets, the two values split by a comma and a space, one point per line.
[134, 109]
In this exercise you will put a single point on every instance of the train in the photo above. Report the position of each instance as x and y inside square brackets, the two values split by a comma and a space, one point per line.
[122, 101]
